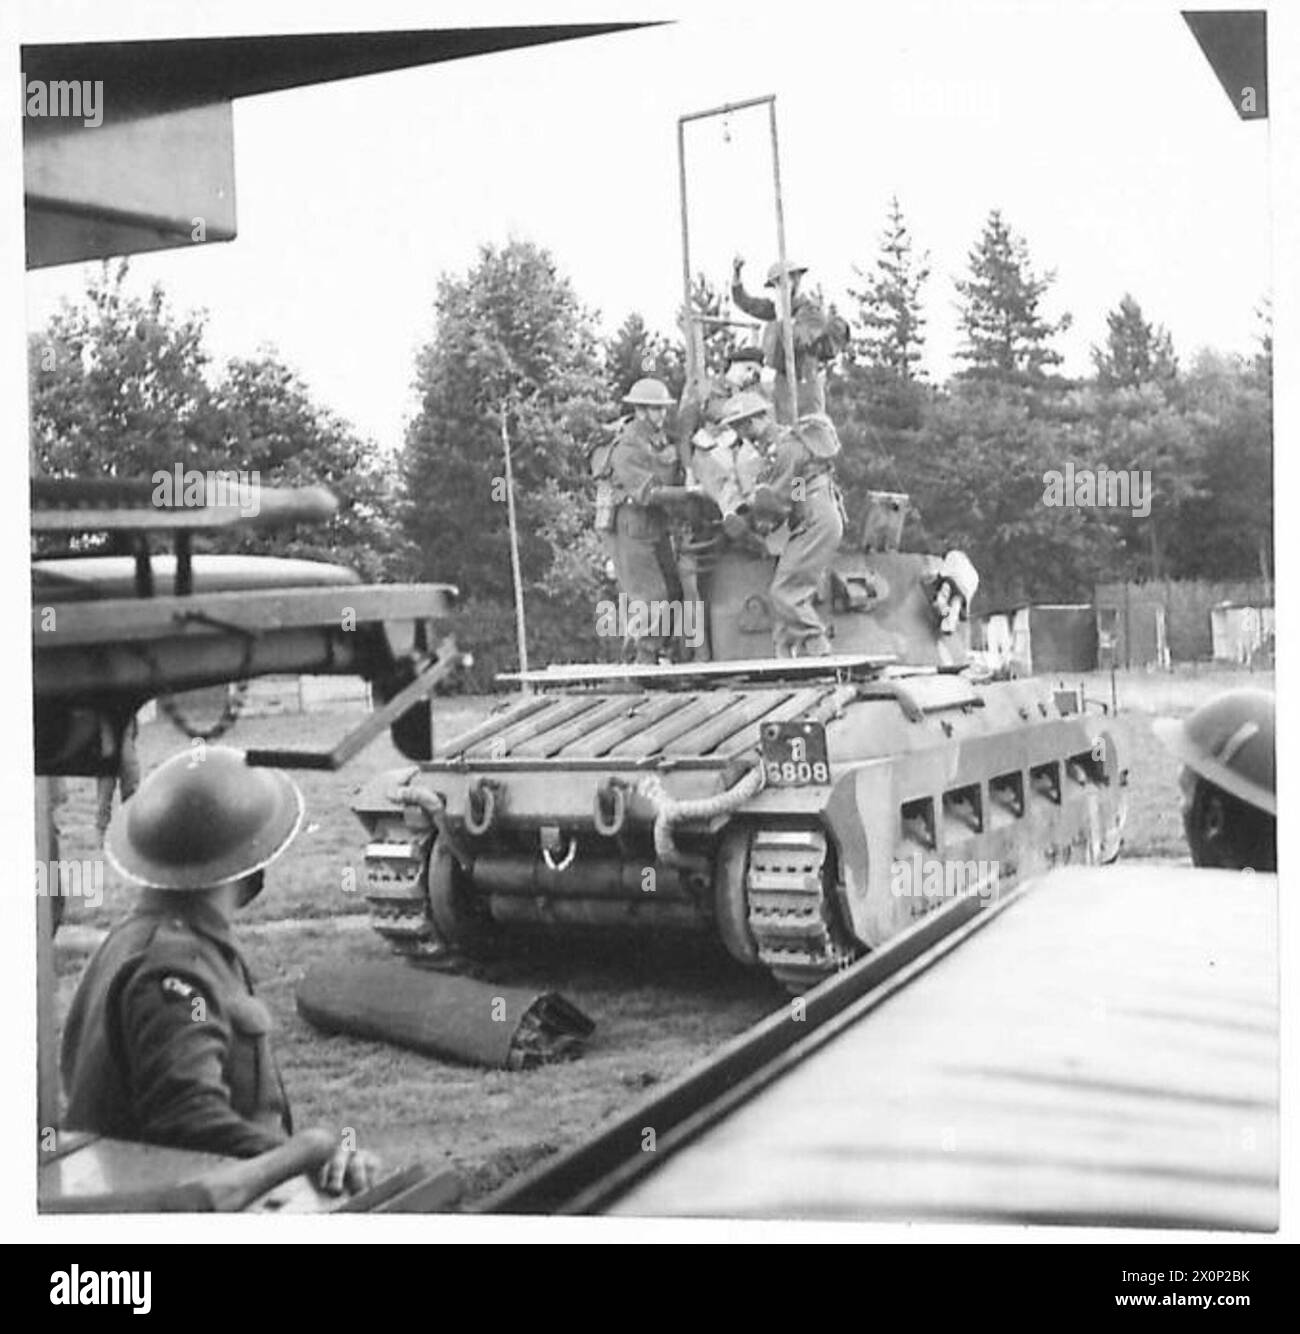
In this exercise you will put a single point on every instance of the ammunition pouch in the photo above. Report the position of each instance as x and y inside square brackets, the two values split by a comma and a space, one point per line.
[606, 505]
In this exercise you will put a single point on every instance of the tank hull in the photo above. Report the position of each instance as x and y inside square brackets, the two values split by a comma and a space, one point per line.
[657, 808]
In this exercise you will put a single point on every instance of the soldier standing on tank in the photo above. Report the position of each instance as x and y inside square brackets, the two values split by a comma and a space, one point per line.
[798, 487]
[725, 467]
[642, 462]
[818, 338]
[1229, 779]
[165, 1042]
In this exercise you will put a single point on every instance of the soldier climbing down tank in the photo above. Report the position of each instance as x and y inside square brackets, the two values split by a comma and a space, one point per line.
[798, 488]
[725, 467]
[818, 338]
[165, 1042]
[641, 463]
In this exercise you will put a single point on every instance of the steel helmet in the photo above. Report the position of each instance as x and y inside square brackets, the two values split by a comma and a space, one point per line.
[201, 820]
[742, 405]
[1230, 742]
[793, 269]
[649, 393]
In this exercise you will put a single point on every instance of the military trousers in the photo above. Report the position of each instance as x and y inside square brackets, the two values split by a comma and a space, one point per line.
[796, 626]
[646, 569]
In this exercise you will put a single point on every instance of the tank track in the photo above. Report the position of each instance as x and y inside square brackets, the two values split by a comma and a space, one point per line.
[799, 940]
[396, 892]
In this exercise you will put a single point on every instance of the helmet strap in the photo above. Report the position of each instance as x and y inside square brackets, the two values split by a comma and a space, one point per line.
[250, 887]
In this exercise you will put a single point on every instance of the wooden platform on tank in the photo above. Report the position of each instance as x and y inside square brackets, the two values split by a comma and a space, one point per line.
[757, 669]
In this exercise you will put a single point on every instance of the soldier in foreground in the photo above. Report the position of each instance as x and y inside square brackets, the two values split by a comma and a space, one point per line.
[165, 1042]
[798, 488]
[642, 461]
[818, 338]
[1229, 779]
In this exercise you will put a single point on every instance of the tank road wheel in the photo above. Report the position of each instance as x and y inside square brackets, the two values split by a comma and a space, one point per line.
[458, 918]
[792, 915]
[730, 899]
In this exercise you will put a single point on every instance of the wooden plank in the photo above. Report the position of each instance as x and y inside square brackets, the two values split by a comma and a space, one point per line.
[494, 722]
[556, 723]
[726, 722]
[691, 711]
[795, 706]
[557, 738]
[121, 620]
[559, 709]
[642, 712]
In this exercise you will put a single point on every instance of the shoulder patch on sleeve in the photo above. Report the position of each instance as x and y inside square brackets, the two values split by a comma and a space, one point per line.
[177, 988]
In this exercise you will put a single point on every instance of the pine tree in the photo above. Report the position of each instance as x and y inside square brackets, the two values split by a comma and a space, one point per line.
[1007, 337]
[1136, 351]
[635, 352]
[718, 341]
[889, 304]
[1262, 363]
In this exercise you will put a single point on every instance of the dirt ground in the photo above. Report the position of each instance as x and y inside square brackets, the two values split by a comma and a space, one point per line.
[659, 1006]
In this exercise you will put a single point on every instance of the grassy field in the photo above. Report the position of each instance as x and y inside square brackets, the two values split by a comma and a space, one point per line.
[658, 1007]
[1155, 827]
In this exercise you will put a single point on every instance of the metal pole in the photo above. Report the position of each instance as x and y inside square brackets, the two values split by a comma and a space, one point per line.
[727, 107]
[787, 313]
[47, 1028]
[724, 321]
[694, 371]
[521, 635]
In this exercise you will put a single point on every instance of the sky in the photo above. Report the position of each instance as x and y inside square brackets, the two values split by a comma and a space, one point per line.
[1098, 129]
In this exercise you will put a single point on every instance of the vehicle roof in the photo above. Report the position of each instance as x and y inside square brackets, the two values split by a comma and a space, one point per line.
[1103, 1051]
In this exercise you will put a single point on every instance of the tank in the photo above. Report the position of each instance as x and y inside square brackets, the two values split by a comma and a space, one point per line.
[801, 811]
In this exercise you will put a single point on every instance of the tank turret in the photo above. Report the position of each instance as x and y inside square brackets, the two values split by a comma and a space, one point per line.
[877, 599]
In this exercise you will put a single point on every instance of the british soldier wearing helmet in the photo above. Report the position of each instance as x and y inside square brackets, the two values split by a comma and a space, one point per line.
[818, 338]
[796, 488]
[166, 1042]
[1229, 779]
[642, 462]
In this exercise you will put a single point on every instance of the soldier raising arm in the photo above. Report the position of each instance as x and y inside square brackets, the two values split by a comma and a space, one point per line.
[817, 338]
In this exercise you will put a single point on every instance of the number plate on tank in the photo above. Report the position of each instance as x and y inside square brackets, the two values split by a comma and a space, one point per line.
[794, 754]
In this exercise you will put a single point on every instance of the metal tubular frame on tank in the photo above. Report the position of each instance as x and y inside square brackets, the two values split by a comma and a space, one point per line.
[787, 313]
[586, 1179]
